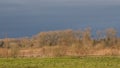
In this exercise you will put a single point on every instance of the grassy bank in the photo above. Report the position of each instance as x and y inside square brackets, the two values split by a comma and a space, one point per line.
[82, 62]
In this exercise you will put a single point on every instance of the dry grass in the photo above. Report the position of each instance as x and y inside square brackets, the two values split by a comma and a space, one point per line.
[63, 43]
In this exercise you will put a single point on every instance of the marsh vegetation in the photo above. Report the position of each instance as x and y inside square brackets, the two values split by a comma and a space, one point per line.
[63, 43]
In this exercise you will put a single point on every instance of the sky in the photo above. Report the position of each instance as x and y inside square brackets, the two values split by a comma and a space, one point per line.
[18, 7]
[21, 18]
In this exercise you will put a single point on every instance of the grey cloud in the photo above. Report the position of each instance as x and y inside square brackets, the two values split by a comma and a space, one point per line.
[61, 1]
[39, 6]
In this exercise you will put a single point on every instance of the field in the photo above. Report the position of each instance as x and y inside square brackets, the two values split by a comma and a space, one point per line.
[81, 62]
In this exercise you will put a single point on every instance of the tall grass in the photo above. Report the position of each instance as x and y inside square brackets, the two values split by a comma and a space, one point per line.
[64, 43]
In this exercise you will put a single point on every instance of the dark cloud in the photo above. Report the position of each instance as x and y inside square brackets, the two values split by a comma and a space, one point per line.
[32, 16]
[38, 6]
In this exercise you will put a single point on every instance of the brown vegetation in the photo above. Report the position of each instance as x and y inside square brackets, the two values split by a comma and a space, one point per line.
[63, 43]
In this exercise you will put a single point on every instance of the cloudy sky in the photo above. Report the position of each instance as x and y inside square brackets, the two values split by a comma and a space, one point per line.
[28, 17]
[8, 7]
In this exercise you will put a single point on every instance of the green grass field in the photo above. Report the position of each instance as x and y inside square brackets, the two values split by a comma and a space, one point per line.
[82, 62]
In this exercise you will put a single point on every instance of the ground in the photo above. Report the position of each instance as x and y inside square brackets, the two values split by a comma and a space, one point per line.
[66, 62]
